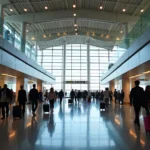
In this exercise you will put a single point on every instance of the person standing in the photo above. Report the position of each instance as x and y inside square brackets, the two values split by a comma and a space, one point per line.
[146, 99]
[51, 98]
[61, 95]
[122, 96]
[76, 95]
[34, 95]
[79, 95]
[106, 96]
[72, 94]
[22, 98]
[115, 95]
[5, 97]
[136, 96]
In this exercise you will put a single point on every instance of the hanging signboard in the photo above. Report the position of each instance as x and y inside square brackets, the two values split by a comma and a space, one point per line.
[76, 82]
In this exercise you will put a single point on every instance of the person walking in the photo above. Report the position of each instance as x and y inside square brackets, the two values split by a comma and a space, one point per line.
[34, 95]
[61, 95]
[115, 95]
[5, 97]
[72, 94]
[122, 96]
[146, 99]
[76, 95]
[51, 98]
[106, 96]
[22, 99]
[136, 96]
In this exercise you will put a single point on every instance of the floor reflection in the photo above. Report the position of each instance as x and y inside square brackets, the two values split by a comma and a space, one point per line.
[78, 126]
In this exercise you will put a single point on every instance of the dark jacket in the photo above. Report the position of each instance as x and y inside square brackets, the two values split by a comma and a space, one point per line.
[33, 95]
[61, 94]
[22, 98]
[137, 95]
[8, 94]
[146, 98]
[72, 94]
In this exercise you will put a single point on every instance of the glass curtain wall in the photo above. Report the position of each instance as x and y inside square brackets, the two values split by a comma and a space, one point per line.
[76, 66]
[51, 59]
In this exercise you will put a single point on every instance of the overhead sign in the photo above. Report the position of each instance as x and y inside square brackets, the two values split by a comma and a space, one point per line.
[76, 82]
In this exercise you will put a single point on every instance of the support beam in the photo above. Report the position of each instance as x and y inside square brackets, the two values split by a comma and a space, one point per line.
[67, 14]
[1, 19]
[64, 66]
[88, 68]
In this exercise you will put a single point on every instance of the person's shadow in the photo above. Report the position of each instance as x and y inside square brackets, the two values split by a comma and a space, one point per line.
[33, 132]
[51, 125]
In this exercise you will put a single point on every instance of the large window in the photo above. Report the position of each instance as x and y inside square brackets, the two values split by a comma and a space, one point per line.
[76, 65]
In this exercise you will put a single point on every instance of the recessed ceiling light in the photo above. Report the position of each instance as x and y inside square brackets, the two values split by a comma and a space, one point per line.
[44, 36]
[25, 9]
[101, 7]
[58, 34]
[117, 38]
[33, 38]
[46, 7]
[75, 29]
[11, 9]
[74, 14]
[121, 31]
[76, 33]
[142, 10]
[123, 9]
[74, 6]
[27, 30]
[107, 36]
[75, 24]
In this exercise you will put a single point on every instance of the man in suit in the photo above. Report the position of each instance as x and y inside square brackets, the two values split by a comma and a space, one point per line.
[22, 98]
[5, 97]
[136, 96]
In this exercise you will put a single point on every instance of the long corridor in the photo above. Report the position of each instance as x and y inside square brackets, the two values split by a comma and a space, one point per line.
[72, 127]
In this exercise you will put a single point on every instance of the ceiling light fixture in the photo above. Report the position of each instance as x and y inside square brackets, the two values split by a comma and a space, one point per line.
[123, 9]
[142, 10]
[101, 7]
[58, 34]
[76, 33]
[75, 29]
[75, 25]
[25, 9]
[121, 31]
[11, 9]
[74, 14]
[27, 30]
[107, 36]
[117, 38]
[44, 36]
[33, 38]
[46, 7]
[74, 5]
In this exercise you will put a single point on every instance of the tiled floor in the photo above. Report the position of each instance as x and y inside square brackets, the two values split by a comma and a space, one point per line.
[81, 126]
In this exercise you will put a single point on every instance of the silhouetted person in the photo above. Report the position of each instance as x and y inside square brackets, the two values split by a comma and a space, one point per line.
[122, 96]
[76, 95]
[102, 95]
[115, 95]
[72, 94]
[5, 97]
[137, 95]
[40, 96]
[146, 99]
[51, 98]
[106, 97]
[61, 95]
[46, 94]
[22, 98]
[34, 95]
[79, 95]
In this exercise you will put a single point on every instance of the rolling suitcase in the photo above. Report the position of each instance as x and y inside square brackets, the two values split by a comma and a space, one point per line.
[46, 108]
[102, 106]
[147, 124]
[16, 112]
[70, 101]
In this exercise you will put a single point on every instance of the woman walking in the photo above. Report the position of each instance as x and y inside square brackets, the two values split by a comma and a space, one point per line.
[51, 98]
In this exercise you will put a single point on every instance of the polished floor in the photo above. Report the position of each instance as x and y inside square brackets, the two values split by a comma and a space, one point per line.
[78, 126]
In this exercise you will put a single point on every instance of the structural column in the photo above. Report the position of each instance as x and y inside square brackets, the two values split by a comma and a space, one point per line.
[19, 81]
[23, 37]
[112, 86]
[1, 19]
[88, 67]
[126, 89]
[39, 85]
[64, 65]
[126, 35]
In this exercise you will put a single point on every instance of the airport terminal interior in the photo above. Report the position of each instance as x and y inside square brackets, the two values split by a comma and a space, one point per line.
[95, 51]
